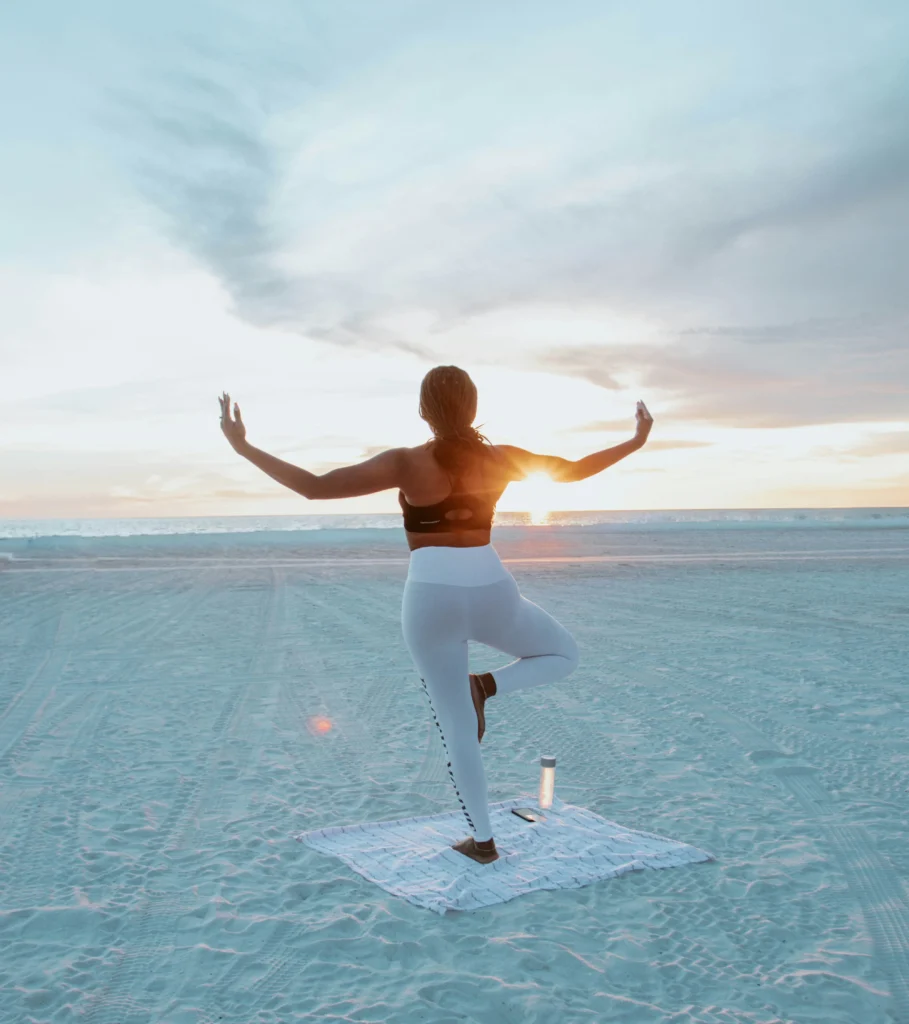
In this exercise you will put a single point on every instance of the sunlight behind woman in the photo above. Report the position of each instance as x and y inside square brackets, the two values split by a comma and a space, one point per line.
[535, 494]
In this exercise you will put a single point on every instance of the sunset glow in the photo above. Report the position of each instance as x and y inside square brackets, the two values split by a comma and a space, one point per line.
[536, 494]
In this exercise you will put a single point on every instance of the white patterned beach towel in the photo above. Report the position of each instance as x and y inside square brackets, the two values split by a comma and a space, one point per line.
[412, 857]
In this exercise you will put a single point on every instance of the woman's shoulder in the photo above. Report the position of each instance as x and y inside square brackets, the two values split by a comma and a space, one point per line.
[500, 450]
[416, 451]
[421, 454]
[417, 456]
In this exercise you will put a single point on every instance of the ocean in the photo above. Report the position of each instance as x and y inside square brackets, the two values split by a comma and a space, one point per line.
[663, 518]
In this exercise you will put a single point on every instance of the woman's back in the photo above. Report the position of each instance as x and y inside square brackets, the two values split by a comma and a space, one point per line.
[485, 475]
[456, 502]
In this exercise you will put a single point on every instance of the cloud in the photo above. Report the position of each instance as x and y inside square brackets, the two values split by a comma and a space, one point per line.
[131, 398]
[206, 165]
[668, 445]
[203, 159]
[764, 235]
[853, 173]
[778, 375]
[601, 426]
[894, 442]
[626, 426]
[246, 493]
[797, 232]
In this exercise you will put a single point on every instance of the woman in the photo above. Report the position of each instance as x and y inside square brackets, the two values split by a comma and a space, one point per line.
[457, 588]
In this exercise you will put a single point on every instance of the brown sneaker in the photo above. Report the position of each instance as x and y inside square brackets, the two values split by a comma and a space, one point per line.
[479, 699]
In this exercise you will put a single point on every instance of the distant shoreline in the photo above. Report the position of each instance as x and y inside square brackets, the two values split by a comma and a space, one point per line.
[874, 517]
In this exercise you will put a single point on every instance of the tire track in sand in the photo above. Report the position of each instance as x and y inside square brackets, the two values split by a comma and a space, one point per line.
[146, 624]
[874, 884]
[48, 827]
[876, 887]
[31, 710]
[44, 847]
[19, 809]
[326, 650]
[147, 935]
[232, 742]
[329, 762]
[24, 712]
[377, 702]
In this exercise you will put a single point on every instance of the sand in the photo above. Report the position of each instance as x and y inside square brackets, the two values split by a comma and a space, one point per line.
[741, 690]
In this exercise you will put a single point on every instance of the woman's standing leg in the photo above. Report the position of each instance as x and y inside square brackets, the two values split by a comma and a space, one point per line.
[434, 620]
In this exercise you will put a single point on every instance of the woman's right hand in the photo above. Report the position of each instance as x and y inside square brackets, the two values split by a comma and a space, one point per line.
[644, 423]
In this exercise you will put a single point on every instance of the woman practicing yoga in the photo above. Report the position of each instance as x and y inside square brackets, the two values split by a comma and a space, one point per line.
[457, 588]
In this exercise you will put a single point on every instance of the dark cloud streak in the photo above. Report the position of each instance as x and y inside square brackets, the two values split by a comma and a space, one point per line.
[203, 160]
[204, 163]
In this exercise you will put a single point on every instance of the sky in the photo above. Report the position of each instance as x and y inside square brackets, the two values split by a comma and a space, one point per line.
[701, 205]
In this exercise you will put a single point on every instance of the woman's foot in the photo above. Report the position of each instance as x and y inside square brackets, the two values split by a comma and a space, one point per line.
[482, 685]
[482, 853]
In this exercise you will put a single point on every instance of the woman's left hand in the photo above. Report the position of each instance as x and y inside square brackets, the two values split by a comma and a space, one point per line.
[233, 429]
[643, 423]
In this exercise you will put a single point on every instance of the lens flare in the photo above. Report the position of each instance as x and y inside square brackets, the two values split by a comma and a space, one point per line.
[318, 725]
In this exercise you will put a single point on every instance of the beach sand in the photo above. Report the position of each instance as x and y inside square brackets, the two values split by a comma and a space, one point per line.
[171, 713]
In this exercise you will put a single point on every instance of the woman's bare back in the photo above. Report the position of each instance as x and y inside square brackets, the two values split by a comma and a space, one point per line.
[427, 483]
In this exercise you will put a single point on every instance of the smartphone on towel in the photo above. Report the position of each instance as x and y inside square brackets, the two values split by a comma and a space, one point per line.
[528, 814]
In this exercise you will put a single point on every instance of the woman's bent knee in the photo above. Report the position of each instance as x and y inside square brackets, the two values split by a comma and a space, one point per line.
[571, 653]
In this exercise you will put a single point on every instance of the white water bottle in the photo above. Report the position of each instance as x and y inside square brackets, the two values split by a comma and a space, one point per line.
[547, 781]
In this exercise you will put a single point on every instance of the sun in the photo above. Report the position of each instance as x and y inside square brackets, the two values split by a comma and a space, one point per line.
[534, 495]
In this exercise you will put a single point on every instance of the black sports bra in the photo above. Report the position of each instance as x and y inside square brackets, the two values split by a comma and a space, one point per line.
[436, 518]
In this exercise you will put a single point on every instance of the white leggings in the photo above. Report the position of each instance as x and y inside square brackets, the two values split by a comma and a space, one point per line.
[453, 595]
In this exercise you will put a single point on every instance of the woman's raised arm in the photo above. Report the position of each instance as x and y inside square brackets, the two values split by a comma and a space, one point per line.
[286, 473]
[523, 463]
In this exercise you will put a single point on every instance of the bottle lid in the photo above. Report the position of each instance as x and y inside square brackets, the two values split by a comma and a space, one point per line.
[547, 761]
